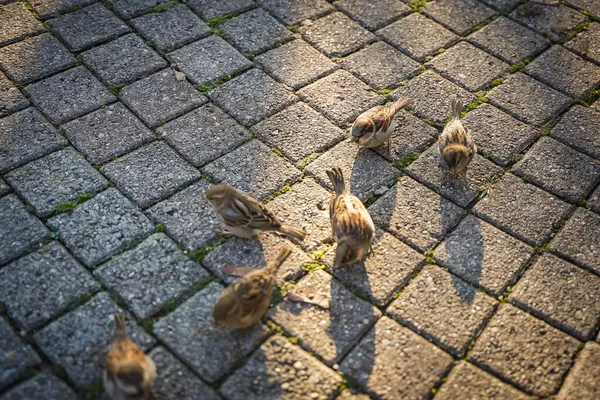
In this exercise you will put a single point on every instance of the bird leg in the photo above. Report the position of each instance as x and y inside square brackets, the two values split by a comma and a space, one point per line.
[224, 233]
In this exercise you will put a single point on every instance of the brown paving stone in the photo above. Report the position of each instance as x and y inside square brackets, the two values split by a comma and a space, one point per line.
[295, 11]
[373, 14]
[17, 22]
[587, 43]
[553, 21]
[459, 16]
[582, 380]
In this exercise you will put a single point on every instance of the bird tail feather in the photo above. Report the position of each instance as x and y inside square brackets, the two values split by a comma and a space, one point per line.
[120, 328]
[457, 106]
[401, 103]
[292, 232]
[337, 180]
[279, 259]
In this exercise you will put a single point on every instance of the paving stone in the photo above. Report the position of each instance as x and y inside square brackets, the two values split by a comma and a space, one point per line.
[209, 59]
[17, 23]
[528, 99]
[34, 58]
[79, 340]
[209, 351]
[329, 333]
[559, 169]
[298, 132]
[586, 44]
[209, 9]
[501, 5]
[498, 135]
[340, 97]
[25, 136]
[353, 394]
[132, 8]
[373, 14]
[11, 99]
[16, 357]
[588, 5]
[68, 95]
[525, 351]
[253, 168]
[594, 200]
[551, 21]
[87, 27]
[294, 11]
[58, 177]
[255, 31]
[204, 134]
[252, 97]
[279, 370]
[431, 95]
[4, 188]
[417, 36]
[393, 362]
[381, 66]
[415, 214]
[458, 15]
[366, 173]
[49, 8]
[174, 27]
[107, 133]
[101, 227]
[582, 380]
[44, 386]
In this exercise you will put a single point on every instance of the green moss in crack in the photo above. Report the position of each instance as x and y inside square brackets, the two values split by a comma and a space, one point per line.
[405, 161]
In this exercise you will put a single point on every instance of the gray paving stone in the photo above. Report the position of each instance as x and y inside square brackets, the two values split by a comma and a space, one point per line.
[501, 5]
[559, 169]
[172, 28]
[417, 36]
[16, 357]
[373, 14]
[294, 11]
[525, 351]
[528, 99]
[55, 178]
[132, 8]
[49, 8]
[17, 23]
[381, 66]
[209, 59]
[594, 200]
[279, 370]
[87, 27]
[79, 340]
[588, 5]
[415, 214]
[390, 351]
[44, 386]
[107, 133]
[25, 136]
[68, 95]
[11, 99]
[34, 58]
[551, 21]
[582, 382]
[329, 333]
[204, 134]
[253, 168]
[340, 97]
[209, 9]
[483, 255]
[101, 227]
[4, 188]
[336, 35]
[458, 15]
[586, 44]
[209, 351]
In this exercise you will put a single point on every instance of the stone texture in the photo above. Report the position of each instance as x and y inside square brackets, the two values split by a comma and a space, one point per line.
[11, 99]
[209, 9]
[373, 14]
[48, 8]
[589, 5]
[16, 357]
[577, 128]
[17, 23]
[44, 386]
[4, 188]
[501, 5]
[551, 21]
[594, 200]
[586, 44]
[132, 8]
[294, 11]
[582, 382]
[458, 15]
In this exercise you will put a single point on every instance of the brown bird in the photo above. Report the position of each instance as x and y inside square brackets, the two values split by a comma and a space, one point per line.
[128, 372]
[456, 144]
[375, 126]
[244, 216]
[244, 302]
[351, 223]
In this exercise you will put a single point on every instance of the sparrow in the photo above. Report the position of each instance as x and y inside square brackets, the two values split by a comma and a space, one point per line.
[352, 226]
[128, 372]
[375, 126]
[456, 144]
[244, 216]
[244, 302]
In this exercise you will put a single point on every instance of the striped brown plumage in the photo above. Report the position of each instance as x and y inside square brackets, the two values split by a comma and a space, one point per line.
[456, 144]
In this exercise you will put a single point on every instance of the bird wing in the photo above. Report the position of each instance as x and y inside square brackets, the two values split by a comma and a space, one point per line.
[348, 217]
[246, 212]
[382, 117]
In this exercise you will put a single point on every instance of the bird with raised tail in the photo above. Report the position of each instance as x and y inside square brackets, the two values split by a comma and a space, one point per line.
[375, 126]
[456, 144]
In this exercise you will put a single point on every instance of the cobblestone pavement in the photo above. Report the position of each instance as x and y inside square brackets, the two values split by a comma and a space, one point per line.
[488, 288]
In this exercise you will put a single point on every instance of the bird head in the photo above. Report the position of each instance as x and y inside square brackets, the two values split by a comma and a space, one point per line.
[133, 379]
[360, 127]
[457, 158]
[217, 193]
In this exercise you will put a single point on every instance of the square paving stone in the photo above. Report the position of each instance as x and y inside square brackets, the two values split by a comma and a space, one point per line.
[132, 8]
[209, 9]
[299, 131]
[174, 27]
[101, 227]
[594, 200]
[553, 21]
[294, 11]
[508, 40]
[16, 357]
[380, 65]
[280, 370]
[86, 27]
[582, 380]
[392, 362]
[56, 178]
[501, 5]
[525, 351]
[523, 210]
[210, 351]
[468, 66]
[341, 97]
[151, 275]
[34, 58]
[528, 99]
[68, 95]
[559, 169]
[373, 14]
[589, 5]
[79, 340]
[498, 135]
[48, 8]
[107, 133]
[11, 99]
[17, 22]
[483, 255]
[458, 15]
[209, 59]
[25, 136]
[44, 386]
[43, 284]
[328, 333]
[4, 188]
[204, 134]
[417, 36]
[587, 43]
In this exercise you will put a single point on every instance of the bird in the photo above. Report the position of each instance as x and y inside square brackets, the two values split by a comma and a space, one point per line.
[375, 126]
[244, 302]
[352, 226]
[243, 216]
[456, 144]
[128, 372]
